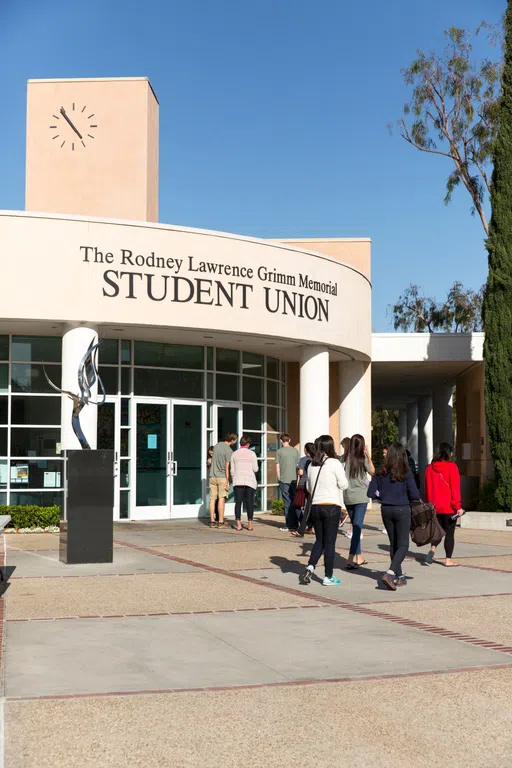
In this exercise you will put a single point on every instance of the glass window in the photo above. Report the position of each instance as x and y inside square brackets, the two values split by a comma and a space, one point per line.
[168, 383]
[253, 416]
[272, 393]
[4, 378]
[272, 368]
[126, 352]
[34, 441]
[3, 442]
[3, 498]
[256, 442]
[31, 378]
[168, 355]
[38, 498]
[253, 390]
[107, 351]
[209, 386]
[258, 500]
[124, 505]
[35, 410]
[106, 426]
[124, 479]
[4, 411]
[227, 387]
[37, 349]
[283, 371]
[4, 347]
[209, 358]
[272, 495]
[228, 360]
[3, 473]
[273, 420]
[125, 442]
[271, 472]
[45, 473]
[125, 413]
[272, 445]
[126, 381]
[252, 364]
[109, 379]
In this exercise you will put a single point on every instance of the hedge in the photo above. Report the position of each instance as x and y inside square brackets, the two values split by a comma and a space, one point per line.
[31, 516]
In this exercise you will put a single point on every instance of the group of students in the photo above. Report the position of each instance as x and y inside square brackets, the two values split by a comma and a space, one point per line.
[336, 483]
[350, 480]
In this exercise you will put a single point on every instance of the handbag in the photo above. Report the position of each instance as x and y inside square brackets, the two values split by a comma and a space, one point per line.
[425, 527]
[299, 499]
[309, 503]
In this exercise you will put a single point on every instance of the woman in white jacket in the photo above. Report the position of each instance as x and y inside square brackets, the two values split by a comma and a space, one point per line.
[326, 482]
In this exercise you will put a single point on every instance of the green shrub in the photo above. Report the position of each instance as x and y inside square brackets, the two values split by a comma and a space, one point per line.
[487, 501]
[31, 516]
[277, 507]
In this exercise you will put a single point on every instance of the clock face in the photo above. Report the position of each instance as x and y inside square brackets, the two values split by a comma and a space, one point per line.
[73, 126]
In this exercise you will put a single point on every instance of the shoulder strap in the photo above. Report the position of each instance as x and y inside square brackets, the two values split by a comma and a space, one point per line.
[440, 475]
[316, 481]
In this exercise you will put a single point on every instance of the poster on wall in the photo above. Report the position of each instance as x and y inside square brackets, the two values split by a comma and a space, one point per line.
[19, 474]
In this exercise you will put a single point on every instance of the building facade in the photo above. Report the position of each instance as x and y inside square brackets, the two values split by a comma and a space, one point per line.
[202, 332]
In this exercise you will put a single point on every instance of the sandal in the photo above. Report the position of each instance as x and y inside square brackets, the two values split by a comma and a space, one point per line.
[239, 529]
[213, 524]
[249, 527]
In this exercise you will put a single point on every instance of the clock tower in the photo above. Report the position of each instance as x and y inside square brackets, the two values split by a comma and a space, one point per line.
[92, 148]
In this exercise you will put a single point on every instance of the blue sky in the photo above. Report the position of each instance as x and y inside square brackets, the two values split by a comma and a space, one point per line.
[273, 118]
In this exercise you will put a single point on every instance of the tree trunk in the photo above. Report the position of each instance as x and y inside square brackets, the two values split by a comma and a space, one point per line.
[497, 309]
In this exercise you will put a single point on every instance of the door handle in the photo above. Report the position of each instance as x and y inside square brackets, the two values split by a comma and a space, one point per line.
[174, 468]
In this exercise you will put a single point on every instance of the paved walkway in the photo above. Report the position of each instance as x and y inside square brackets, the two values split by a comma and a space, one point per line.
[199, 648]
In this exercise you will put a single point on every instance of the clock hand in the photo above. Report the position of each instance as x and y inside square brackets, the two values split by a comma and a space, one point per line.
[64, 115]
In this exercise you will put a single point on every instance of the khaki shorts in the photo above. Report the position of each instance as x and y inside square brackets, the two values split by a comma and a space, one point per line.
[218, 488]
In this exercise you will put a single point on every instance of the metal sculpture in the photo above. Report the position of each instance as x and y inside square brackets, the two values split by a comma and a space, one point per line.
[87, 377]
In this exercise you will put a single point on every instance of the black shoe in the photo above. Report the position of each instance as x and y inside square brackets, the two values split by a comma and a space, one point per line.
[306, 576]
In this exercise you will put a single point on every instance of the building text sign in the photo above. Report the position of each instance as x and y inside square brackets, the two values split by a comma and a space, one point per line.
[131, 275]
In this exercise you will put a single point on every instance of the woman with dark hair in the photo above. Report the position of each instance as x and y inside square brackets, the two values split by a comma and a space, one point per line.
[395, 488]
[442, 488]
[302, 476]
[345, 445]
[358, 466]
[326, 482]
[244, 466]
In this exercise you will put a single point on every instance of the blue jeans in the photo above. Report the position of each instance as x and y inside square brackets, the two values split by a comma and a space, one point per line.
[356, 513]
[290, 513]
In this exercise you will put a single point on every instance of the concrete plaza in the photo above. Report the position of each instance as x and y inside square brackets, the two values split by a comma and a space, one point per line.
[198, 647]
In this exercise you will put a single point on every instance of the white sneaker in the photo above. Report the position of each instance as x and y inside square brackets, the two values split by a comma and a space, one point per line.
[348, 534]
[331, 582]
[284, 529]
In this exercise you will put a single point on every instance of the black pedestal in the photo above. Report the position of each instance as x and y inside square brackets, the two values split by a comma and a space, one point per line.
[87, 534]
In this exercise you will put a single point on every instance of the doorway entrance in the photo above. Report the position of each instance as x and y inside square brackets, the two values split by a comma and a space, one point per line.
[168, 471]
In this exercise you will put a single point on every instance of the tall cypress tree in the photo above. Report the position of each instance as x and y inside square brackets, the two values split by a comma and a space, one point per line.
[497, 309]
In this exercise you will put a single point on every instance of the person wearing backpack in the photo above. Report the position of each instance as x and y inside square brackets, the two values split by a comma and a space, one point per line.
[442, 489]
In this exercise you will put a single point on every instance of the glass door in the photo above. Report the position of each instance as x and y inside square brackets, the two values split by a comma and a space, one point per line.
[151, 468]
[188, 458]
[108, 439]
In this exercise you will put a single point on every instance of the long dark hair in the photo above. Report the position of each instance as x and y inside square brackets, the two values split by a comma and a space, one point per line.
[444, 452]
[356, 457]
[309, 448]
[395, 465]
[345, 445]
[324, 449]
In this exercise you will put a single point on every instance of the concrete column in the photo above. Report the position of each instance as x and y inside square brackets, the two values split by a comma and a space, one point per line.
[412, 430]
[443, 414]
[402, 426]
[314, 393]
[425, 435]
[352, 399]
[75, 343]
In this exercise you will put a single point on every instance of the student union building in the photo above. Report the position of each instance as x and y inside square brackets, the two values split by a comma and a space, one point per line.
[202, 332]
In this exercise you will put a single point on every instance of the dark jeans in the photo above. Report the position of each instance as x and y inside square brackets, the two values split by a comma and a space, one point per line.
[244, 493]
[356, 513]
[448, 525]
[326, 518]
[290, 513]
[397, 521]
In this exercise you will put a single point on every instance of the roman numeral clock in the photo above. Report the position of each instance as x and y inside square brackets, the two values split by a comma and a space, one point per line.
[73, 126]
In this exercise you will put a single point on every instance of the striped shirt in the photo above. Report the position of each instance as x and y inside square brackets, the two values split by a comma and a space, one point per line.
[244, 466]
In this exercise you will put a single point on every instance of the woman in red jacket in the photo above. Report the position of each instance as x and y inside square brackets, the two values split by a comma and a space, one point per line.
[442, 489]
